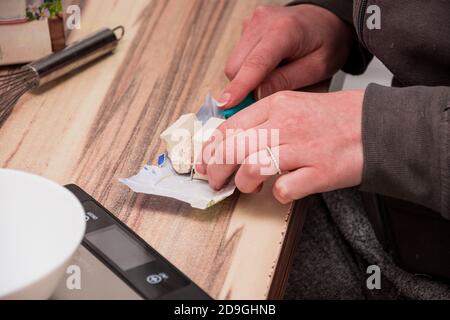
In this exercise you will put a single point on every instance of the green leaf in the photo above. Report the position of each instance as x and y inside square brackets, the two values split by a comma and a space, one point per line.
[30, 16]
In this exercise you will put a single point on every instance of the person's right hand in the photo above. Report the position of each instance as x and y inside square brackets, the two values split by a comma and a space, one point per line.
[285, 48]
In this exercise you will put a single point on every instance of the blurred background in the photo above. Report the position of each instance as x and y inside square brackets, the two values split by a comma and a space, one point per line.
[375, 73]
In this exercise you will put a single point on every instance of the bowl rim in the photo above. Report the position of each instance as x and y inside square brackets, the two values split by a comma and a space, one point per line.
[66, 257]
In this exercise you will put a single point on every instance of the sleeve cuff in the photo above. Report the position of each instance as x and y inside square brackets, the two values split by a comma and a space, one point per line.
[406, 135]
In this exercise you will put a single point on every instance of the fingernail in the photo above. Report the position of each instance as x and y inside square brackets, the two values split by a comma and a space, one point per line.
[200, 169]
[224, 100]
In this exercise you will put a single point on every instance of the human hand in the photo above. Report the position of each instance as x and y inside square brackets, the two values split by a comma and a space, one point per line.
[319, 147]
[310, 43]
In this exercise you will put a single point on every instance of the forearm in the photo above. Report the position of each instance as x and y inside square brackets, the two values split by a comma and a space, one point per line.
[406, 138]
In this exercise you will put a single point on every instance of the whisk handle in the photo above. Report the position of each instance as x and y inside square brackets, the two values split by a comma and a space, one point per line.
[76, 55]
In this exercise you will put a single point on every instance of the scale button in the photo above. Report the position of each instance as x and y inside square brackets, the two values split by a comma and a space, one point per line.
[157, 278]
[154, 279]
[96, 217]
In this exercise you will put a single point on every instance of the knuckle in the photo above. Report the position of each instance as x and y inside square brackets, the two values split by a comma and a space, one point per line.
[229, 70]
[256, 61]
[227, 126]
[261, 11]
[284, 24]
[281, 81]
[280, 98]
[251, 170]
[243, 187]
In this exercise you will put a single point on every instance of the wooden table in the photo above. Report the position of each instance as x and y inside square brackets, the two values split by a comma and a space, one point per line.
[103, 124]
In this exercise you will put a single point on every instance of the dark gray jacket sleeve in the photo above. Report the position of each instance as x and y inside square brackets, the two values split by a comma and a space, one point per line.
[406, 132]
[406, 138]
[359, 58]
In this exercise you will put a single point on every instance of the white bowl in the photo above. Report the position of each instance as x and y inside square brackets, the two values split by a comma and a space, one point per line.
[41, 226]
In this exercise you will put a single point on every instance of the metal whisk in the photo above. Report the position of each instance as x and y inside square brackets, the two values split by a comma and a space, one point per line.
[16, 83]
[12, 87]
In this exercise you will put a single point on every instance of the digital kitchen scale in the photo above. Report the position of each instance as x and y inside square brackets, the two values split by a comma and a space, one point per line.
[113, 262]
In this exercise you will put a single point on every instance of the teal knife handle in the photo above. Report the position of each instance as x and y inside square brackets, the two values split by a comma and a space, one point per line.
[248, 101]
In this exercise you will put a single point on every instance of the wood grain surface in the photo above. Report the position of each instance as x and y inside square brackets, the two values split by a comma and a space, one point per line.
[103, 124]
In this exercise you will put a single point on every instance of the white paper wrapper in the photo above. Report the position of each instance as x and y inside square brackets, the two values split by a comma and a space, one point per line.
[166, 183]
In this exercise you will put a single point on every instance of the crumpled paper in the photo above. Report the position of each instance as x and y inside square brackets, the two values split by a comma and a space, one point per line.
[209, 110]
[163, 181]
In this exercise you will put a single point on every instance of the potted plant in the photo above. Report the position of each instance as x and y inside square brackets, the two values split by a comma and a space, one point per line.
[52, 11]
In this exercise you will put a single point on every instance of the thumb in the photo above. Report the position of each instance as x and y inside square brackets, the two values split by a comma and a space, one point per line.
[298, 185]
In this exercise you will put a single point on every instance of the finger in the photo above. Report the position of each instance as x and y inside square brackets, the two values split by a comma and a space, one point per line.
[249, 40]
[259, 167]
[253, 29]
[298, 74]
[245, 24]
[233, 151]
[264, 58]
[298, 185]
[290, 159]
[259, 189]
[250, 117]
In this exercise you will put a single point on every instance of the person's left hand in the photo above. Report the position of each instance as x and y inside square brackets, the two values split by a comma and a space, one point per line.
[319, 148]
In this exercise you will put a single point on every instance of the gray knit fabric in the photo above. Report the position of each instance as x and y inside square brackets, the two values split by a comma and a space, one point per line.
[337, 245]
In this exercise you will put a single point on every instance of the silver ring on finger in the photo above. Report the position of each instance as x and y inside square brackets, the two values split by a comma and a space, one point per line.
[274, 160]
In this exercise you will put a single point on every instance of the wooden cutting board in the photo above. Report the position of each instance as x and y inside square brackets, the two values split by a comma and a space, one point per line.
[103, 124]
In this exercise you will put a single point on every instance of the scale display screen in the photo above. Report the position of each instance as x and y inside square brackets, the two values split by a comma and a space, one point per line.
[116, 261]
[119, 247]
